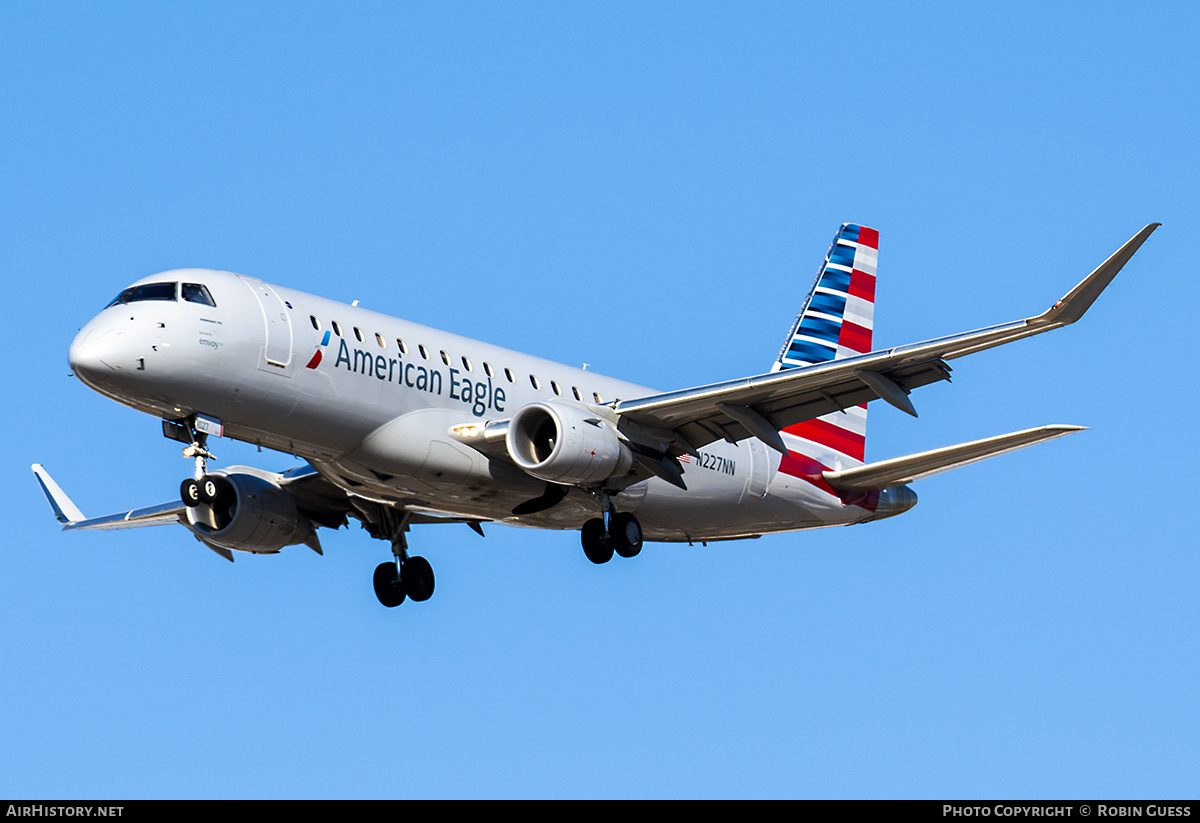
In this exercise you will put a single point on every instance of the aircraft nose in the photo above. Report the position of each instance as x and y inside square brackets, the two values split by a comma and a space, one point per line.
[92, 354]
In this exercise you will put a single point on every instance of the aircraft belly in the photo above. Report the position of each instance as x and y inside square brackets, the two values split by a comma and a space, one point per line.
[712, 511]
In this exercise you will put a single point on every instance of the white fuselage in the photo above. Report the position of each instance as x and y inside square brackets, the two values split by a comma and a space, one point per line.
[372, 411]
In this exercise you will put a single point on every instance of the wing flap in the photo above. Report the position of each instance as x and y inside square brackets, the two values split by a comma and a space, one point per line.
[783, 398]
[900, 471]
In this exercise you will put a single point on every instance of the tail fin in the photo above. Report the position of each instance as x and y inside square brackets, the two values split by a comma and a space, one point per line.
[835, 322]
[838, 313]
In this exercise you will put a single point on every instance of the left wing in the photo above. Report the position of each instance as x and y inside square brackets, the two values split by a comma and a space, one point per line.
[322, 501]
[67, 513]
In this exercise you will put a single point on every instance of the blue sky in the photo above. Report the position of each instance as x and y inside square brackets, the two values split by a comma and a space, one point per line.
[647, 188]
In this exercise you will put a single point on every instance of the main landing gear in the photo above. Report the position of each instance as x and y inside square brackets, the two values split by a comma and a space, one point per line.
[616, 532]
[394, 581]
[406, 577]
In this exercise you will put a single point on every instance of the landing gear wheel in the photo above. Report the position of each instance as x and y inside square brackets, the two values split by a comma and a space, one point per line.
[416, 576]
[387, 585]
[596, 545]
[189, 490]
[625, 534]
[210, 487]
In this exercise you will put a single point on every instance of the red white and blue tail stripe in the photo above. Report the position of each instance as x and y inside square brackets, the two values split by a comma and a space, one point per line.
[838, 314]
[836, 321]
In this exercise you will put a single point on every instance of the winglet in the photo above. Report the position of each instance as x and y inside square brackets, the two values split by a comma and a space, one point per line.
[64, 510]
[1080, 298]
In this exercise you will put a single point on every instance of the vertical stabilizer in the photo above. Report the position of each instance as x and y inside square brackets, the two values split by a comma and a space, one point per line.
[836, 321]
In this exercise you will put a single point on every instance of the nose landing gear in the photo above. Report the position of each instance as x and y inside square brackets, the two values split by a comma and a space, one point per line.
[207, 489]
[200, 488]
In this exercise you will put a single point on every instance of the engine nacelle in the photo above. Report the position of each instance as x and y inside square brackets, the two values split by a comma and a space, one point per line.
[561, 443]
[249, 514]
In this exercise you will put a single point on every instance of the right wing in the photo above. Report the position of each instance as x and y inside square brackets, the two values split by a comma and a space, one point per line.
[682, 421]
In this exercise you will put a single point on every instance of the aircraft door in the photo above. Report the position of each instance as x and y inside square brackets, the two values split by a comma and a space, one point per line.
[277, 347]
[760, 469]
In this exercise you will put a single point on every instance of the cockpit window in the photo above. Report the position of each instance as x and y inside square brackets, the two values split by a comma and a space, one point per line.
[198, 293]
[148, 291]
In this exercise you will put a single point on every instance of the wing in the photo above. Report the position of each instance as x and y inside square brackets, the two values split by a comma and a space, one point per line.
[67, 513]
[327, 504]
[683, 421]
[318, 498]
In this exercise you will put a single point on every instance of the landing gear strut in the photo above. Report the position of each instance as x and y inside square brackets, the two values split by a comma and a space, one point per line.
[622, 534]
[200, 488]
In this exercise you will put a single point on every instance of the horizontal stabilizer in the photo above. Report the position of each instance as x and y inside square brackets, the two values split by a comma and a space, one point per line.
[901, 470]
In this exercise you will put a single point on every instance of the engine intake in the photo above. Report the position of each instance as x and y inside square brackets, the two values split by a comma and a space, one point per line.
[561, 443]
[249, 514]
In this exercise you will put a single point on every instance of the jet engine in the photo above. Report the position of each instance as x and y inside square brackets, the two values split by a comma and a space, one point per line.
[248, 513]
[561, 443]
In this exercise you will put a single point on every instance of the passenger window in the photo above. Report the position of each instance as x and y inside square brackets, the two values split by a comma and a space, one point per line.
[337, 329]
[597, 396]
[198, 293]
[379, 340]
[358, 334]
[578, 396]
[400, 345]
[534, 381]
[424, 352]
[554, 385]
[508, 373]
[466, 363]
[487, 368]
[445, 358]
[316, 323]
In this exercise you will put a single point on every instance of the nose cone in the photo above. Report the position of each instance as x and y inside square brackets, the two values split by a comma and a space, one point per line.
[83, 358]
[95, 355]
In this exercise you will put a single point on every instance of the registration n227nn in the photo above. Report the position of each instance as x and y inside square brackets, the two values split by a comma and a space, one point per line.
[400, 424]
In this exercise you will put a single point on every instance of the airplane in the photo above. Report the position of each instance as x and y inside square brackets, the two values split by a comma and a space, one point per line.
[399, 424]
